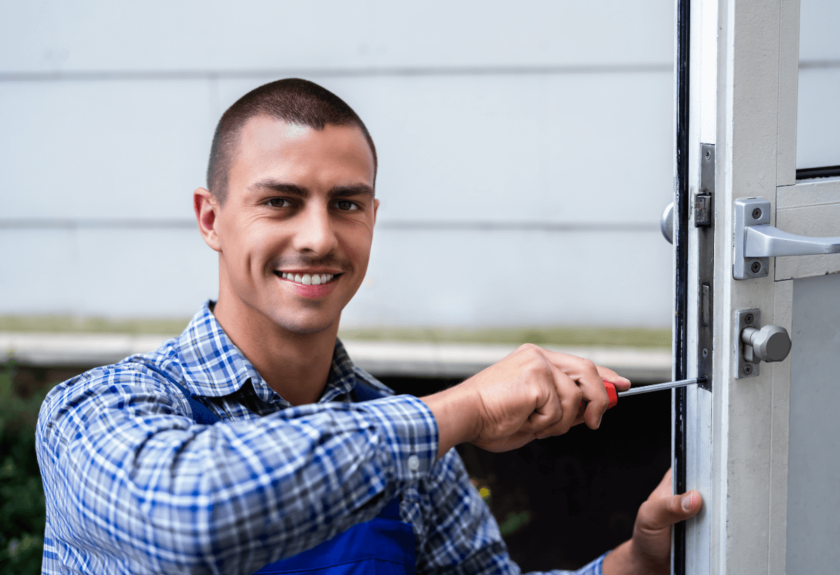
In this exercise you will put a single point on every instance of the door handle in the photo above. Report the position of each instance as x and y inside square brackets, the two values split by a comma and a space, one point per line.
[769, 241]
[756, 240]
[666, 223]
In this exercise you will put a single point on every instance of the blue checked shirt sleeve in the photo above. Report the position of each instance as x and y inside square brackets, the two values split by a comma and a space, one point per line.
[130, 481]
[460, 535]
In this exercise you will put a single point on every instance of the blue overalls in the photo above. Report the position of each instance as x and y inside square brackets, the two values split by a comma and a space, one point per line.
[382, 546]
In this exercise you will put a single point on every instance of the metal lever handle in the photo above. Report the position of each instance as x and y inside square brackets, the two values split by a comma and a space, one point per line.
[768, 241]
[756, 240]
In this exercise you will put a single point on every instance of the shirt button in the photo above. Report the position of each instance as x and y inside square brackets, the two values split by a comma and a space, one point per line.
[414, 463]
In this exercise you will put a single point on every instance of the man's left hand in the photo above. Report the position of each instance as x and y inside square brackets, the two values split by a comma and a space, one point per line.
[649, 551]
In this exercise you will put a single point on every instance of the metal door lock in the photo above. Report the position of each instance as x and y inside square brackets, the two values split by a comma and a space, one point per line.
[756, 343]
[770, 343]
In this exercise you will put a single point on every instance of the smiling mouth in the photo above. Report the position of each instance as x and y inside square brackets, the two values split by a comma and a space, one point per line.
[308, 279]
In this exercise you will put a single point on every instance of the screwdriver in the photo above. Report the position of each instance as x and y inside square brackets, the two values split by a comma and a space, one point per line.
[613, 395]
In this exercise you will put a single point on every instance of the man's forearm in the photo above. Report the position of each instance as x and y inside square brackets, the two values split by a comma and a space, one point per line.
[129, 482]
[623, 561]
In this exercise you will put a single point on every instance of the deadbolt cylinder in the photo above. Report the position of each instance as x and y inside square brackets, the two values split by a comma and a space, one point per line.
[770, 343]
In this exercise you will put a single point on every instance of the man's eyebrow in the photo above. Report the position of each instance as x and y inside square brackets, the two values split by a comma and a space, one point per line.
[351, 190]
[280, 187]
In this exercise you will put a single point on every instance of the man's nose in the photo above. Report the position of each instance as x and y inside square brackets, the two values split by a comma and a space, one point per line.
[315, 233]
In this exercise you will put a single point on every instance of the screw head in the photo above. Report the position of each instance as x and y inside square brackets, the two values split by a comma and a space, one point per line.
[705, 352]
[748, 318]
[748, 369]
[756, 213]
[755, 267]
[708, 154]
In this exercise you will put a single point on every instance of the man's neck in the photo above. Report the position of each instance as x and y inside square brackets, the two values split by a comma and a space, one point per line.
[294, 365]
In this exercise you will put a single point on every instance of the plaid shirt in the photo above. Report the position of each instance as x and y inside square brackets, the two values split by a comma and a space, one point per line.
[134, 485]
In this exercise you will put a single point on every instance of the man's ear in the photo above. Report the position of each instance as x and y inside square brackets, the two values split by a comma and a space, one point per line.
[206, 209]
[375, 208]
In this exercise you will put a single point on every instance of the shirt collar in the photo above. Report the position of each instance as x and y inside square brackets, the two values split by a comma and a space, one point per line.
[214, 367]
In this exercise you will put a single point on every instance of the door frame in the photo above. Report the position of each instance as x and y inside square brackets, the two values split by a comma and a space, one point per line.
[742, 88]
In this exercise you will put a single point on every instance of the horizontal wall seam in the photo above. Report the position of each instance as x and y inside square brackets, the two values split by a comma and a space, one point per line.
[398, 225]
[46, 223]
[105, 75]
[518, 226]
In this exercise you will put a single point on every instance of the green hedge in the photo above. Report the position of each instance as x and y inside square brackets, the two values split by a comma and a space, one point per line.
[22, 510]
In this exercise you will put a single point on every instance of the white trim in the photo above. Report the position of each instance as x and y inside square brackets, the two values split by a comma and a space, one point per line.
[737, 436]
[703, 106]
[779, 433]
[811, 209]
[788, 91]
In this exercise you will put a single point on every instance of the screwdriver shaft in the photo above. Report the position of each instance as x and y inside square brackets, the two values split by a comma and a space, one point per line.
[660, 386]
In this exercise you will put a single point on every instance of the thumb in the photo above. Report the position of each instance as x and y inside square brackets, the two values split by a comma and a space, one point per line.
[661, 512]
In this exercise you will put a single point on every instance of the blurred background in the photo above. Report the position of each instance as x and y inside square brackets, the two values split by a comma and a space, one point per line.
[526, 154]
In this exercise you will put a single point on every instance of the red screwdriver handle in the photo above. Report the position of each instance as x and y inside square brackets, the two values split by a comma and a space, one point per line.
[611, 393]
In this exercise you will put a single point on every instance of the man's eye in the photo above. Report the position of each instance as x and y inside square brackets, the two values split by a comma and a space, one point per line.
[346, 205]
[278, 203]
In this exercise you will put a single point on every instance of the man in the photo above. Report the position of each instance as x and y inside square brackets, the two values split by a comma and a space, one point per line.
[252, 442]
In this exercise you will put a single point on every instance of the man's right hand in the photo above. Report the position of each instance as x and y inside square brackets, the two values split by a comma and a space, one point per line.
[530, 394]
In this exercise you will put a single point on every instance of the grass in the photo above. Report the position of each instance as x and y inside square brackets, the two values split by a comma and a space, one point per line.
[560, 335]
[70, 324]
[566, 336]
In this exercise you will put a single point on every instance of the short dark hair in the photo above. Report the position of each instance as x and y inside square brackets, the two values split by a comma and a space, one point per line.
[292, 100]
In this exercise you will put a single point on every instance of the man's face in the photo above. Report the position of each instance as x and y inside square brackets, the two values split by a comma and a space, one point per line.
[295, 230]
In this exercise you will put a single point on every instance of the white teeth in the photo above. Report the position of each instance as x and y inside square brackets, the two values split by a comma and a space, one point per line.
[307, 279]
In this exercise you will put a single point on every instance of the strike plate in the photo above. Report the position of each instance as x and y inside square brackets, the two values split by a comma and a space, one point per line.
[704, 221]
[745, 318]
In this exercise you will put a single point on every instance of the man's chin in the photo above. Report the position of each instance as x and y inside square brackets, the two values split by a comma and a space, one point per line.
[309, 326]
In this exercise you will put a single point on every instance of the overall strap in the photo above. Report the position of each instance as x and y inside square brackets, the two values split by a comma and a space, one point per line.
[201, 413]
[363, 392]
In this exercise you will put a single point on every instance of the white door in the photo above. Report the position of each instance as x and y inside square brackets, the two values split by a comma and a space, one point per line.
[763, 443]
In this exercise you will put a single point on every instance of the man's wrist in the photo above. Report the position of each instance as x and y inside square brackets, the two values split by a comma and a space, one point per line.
[626, 560]
[456, 416]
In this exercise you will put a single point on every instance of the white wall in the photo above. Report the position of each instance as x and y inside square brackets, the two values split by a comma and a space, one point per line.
[525, 151]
